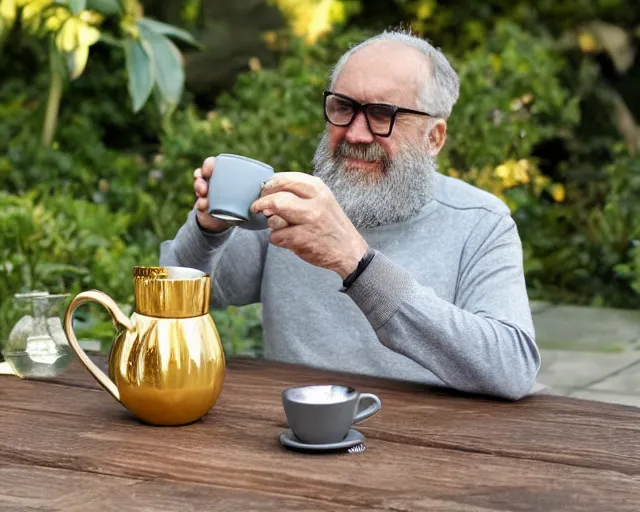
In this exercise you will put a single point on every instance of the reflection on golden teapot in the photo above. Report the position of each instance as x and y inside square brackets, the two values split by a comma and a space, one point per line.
[166, 364]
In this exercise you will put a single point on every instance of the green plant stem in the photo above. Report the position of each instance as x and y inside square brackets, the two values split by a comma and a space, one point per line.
[53, 105]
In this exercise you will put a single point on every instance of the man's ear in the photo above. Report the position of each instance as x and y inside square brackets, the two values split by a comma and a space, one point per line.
[436, 136]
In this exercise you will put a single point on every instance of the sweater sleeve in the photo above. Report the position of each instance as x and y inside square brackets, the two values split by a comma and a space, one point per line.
[234, 258]
[484, 342]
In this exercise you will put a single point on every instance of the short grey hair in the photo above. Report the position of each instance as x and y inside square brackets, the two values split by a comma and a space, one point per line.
[438, 95]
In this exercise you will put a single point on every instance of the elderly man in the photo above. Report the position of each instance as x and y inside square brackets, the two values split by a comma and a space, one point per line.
[378, 264]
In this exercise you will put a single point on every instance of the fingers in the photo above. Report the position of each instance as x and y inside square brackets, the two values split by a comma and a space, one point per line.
[200, 184]
[201, 187]
[276, 222]
[202, 204]
[298, 183]
[207, 167]
[286, 205]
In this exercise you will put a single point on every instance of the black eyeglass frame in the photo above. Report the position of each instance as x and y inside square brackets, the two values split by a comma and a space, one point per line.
[362, 107]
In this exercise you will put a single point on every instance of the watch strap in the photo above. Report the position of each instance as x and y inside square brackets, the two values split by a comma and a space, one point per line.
[362, 265]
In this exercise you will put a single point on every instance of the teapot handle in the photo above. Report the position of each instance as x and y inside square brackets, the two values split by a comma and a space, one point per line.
[119, 319]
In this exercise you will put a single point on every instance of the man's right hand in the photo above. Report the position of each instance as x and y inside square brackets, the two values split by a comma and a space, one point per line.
[201, 188]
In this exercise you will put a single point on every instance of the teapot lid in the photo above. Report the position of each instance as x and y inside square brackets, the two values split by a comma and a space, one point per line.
[171, 292]
[168, 272]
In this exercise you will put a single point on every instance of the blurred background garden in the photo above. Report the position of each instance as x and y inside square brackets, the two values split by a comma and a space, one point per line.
[107, 107]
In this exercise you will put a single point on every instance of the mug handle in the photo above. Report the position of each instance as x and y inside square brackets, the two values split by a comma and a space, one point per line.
[119, 320]
[369, 411]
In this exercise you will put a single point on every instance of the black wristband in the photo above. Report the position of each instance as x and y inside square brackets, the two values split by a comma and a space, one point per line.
[362, 265]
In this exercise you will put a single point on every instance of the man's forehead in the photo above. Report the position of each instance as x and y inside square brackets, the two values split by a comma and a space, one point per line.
[387, 71]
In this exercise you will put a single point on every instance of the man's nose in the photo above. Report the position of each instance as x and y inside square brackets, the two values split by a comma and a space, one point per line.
[358, 132]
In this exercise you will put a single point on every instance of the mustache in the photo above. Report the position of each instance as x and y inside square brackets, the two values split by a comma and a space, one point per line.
[367, 152]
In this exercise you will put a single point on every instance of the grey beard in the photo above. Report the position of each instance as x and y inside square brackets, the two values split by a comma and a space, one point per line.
[398, 194]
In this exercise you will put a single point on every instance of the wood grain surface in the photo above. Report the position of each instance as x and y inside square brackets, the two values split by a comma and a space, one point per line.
[66, 444]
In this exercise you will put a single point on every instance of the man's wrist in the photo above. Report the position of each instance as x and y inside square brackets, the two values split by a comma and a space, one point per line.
[212, 232]
[351, 260]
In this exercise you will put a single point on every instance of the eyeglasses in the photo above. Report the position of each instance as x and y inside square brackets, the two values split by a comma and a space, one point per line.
[341, 110]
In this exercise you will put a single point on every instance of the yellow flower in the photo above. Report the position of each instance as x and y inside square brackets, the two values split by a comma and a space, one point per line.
[91, 17]
[320, 21]
[32, 12]
[34, 8]
[271, 38]
[587, 42]
[516, 104]
[55, 20]
[8, 13]
[558, 192]
[502, 171]
[311, 18]
[513, 173]
[521, 171]
[226, 124]
[527, 98]
[255, 64]
[425, 9]
[75, 34]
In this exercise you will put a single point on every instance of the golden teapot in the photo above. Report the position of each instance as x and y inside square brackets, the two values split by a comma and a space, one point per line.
[166, 364]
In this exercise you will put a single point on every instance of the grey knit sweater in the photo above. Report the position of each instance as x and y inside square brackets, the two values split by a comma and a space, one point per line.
[442, 302]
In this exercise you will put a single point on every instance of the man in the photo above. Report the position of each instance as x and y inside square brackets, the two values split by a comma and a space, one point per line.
[378, 264]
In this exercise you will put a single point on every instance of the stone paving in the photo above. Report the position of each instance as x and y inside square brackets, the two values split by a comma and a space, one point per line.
[589, 353]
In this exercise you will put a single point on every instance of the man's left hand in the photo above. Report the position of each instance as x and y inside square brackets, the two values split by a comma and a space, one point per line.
[306, 218]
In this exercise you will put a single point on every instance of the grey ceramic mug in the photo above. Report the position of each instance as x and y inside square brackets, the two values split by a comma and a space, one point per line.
[321, 414]
[235, 184]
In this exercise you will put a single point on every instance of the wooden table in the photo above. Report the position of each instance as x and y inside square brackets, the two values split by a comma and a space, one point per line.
[66, 445]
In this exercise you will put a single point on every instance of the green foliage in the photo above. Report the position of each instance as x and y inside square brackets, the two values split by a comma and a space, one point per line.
[467, 23]
[72, 27]
[65, 245]
[511, 99]
[588, 256]
[273, 115]
[619, 225]
[240, 330]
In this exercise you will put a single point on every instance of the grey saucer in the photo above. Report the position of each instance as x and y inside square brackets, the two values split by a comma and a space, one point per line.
[353, 438]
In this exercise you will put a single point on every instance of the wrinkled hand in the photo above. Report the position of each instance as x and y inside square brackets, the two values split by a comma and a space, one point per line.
[306, 218]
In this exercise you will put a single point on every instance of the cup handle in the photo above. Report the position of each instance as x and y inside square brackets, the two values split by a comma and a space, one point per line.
[119, 319]
[369, 411]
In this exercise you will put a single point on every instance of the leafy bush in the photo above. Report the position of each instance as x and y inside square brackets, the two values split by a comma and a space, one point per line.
[511, 100]
[274, 115]
[615, 231]
[65, 245]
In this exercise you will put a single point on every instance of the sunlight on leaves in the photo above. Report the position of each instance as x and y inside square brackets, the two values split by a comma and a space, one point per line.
[311, 19]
